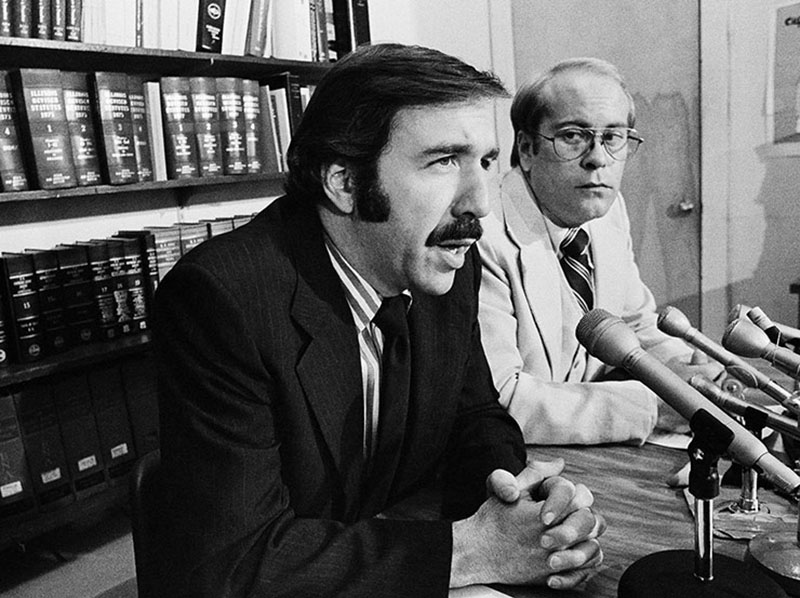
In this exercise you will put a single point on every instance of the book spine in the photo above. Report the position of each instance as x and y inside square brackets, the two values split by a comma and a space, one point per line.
[155, 129]
[6, 18]
[41, 437]
[232, 125]
[51, 302]
[5, 345]
[255, 43]
[207, 125]
[210, 21]
[103, 290]
[142, 400]
[22, 307]
[58, 20]
[140, 127]
[188, 12]
[42, 25]
[16, 490]
[270, 151]
[136, 283]
[23, 18]
[12, 165]
[45, 133]
[111, 414]
[74, 20]
[112, 109]
[123, 316]
[252, 120]
[179, 136]
[80, 120]
[76, 286]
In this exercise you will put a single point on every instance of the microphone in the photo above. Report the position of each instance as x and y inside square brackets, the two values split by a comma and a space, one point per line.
[609, 339]
[748, 340]
[779, 334]
[672, 321]
[728, 402]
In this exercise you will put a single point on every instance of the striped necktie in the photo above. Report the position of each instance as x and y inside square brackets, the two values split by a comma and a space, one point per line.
[577, 266]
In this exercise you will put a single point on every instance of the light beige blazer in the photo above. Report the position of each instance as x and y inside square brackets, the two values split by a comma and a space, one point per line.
[528, 317]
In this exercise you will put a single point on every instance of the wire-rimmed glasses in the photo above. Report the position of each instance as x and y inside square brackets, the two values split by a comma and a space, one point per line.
[572, 143]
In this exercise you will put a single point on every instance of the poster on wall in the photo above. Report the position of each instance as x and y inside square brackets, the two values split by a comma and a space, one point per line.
[786, 74]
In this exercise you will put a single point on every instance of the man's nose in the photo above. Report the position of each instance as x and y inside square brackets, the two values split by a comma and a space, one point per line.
[476, 192]
[598, 155]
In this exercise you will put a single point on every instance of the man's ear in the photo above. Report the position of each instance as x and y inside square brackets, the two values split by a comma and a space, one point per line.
[525, 150]
[338, 186]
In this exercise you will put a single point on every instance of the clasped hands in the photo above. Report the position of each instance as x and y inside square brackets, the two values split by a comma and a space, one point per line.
[535, 528]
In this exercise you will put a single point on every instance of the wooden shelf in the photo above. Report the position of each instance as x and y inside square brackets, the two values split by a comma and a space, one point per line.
[94, 190]
[74, 358]
[40, 53]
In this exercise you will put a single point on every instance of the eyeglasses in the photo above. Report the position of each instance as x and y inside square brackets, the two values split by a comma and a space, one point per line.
[575, 142]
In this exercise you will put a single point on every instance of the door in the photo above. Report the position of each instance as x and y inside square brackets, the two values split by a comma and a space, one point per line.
[656, 46]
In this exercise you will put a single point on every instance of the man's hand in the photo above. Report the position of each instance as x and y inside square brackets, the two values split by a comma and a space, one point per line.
[535, 528]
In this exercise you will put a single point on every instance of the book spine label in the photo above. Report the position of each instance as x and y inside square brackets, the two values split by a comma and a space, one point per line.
[12, 166]
[251, 109]
[6, 18]
[78, 108]
[234, 150]
[117, 128]
[210, 19]
[179, 134]
[74, 20]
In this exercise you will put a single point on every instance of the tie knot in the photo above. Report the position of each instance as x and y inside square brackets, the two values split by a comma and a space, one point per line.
[574, 244]
[391, 317]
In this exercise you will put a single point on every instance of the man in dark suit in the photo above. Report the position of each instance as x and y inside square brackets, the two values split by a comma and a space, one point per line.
[280, 451]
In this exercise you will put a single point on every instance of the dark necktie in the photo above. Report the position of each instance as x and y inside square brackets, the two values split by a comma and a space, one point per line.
[395, 381]
[577, 267]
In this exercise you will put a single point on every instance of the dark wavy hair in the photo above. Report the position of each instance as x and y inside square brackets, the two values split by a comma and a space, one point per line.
[350, 115]
[530, 105]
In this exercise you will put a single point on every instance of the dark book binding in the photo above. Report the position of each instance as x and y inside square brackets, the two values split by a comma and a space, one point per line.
[179, 136]
[102, 288]
[192, 234]
[77, 294]
[42, 26]
[210, 18]
[16, 489]
[22, 306]
[43, 126]
[149, 260]
[74, 20]
[12, 164]
[80, 120]
[115, 125]
[41, 437]
[22, 22]
[252, 121]
[6, 18]
[123, 313]
[142, 399]
[141, 135]
[56, 337]
[58, 20]
[135, 280]
[111, 413]
[205, 109]
[291, 83]
[79, 433]
[232, 125]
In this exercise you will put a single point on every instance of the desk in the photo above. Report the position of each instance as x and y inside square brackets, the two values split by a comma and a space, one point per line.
[644, 515]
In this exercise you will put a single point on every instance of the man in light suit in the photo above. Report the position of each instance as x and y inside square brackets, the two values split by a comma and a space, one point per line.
[573, 134]
[276, 478]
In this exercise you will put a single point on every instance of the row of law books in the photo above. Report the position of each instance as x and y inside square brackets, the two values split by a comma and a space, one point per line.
[74, 294]
[42, 19]
[69, 436]
[63, 129]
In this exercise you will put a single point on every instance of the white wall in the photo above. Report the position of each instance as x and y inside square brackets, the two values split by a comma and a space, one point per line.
[751, 190]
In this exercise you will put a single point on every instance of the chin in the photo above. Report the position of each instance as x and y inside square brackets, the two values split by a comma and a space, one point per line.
[437, 284]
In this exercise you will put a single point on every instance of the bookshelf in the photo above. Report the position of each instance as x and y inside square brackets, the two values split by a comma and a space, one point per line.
[18, 527]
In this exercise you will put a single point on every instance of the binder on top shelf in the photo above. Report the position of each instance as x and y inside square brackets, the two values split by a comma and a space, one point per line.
[79, 433]
[141, 132]
[41, 437]
[142, 399]
[232, 125]
[135, 280]
[180, 144]
[42, 26]
[58, 20]
[55, 333]
[21, 303]
[12, 164]
[16, 490]
[22, 18]
[43, 127]
[80, 121]
[252, 122]
[155, 129]
[74, 21]
[270, 150]
[209, 26]
[205, 109]
[77, 294]
[111, 414]
[115, 127]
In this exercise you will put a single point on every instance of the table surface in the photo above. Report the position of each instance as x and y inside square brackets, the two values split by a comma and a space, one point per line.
[643, 513]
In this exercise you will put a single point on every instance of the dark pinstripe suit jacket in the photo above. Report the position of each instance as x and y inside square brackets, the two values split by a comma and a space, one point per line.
[261, 413]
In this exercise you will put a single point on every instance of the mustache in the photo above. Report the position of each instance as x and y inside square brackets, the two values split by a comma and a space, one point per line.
[465, 226]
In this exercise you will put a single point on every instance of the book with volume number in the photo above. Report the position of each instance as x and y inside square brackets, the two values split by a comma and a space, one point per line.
[232, 125]
[55, 334]
[42, 25]
[123, 312]
[80, 120]
[79, 432]
[21, 304]
[22, 18]
[74, 21]
[209, 26]
[180, 143]
[77, 294]
[111, 414]
[43, 127]
[191, 235]
[102, 288]
[44, 448]
[141, 131]
[167, 243]
[58, 20]
[12, 165]
[135, 281]
[147, 252]
[115, 127]
[205, 110]
[6, 18]
[16, 490]
[252, 122]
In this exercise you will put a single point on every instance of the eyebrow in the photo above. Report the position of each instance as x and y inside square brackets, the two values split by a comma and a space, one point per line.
[456, 148]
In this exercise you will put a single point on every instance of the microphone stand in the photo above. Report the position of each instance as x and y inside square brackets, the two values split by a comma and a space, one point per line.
[687, 573]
